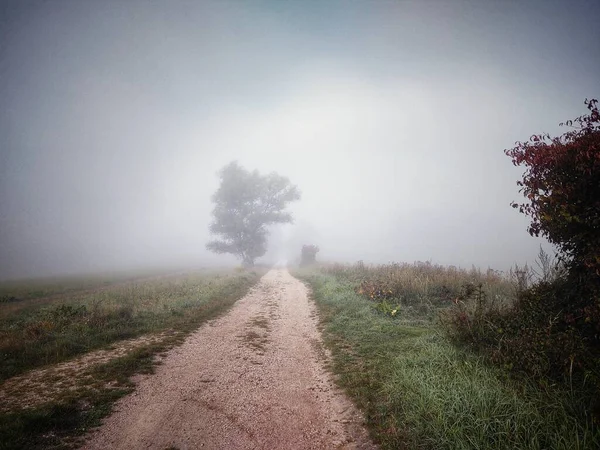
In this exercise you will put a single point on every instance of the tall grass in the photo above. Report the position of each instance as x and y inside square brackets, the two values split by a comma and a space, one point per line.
[81, 321]
[416, 388]
[425, 282]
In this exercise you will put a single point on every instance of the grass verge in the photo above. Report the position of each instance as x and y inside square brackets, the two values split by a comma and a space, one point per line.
[63, 422]
[418, 391]
[77, 323]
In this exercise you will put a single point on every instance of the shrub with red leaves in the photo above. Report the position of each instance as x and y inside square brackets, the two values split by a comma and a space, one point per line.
[562, 187]
[552, 331]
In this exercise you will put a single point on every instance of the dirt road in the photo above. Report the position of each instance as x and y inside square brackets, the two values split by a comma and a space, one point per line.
[252, 379]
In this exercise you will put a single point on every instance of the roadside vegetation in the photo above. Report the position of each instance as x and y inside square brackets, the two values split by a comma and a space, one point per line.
[13, 291]
[417, 386]
[446, 358]
[163, 309]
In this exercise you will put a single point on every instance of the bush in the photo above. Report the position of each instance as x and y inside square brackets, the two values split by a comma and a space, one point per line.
[538, 337]
[562, 186]
[552, 331]
[308, 255]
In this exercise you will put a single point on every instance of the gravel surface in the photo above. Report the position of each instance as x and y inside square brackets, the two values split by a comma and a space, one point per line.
[252, 379]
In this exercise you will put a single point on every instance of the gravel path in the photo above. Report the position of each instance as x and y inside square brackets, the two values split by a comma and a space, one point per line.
[252, 379]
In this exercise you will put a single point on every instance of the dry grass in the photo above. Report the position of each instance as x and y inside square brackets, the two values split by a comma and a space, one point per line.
[51, 407]
[49, 384]
[418, 390]
[427, 283]
[79, 321]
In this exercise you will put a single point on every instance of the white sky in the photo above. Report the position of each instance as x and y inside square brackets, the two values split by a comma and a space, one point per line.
[391, 117]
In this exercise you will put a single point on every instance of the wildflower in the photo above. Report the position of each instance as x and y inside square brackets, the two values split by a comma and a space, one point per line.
[394, 311]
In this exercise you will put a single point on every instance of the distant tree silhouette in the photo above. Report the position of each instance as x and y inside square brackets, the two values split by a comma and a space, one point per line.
[309, 255]
[246, 203]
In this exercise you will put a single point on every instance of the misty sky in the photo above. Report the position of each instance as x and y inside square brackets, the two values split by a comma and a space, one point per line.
[390, 116]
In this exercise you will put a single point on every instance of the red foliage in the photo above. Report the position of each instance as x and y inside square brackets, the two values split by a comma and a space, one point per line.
[562, 186]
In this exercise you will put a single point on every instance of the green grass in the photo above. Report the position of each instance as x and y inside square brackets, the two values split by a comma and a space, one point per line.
[419, 391]
[79, 322]
[62, 424]
[33, 288]
[181, 304]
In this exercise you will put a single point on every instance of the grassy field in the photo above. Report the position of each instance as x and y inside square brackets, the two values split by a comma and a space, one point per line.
[80, 317]
[417, 389]
[32, 288]
[48, 330]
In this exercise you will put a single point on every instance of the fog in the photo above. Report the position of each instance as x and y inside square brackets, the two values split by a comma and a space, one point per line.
[390, 116]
